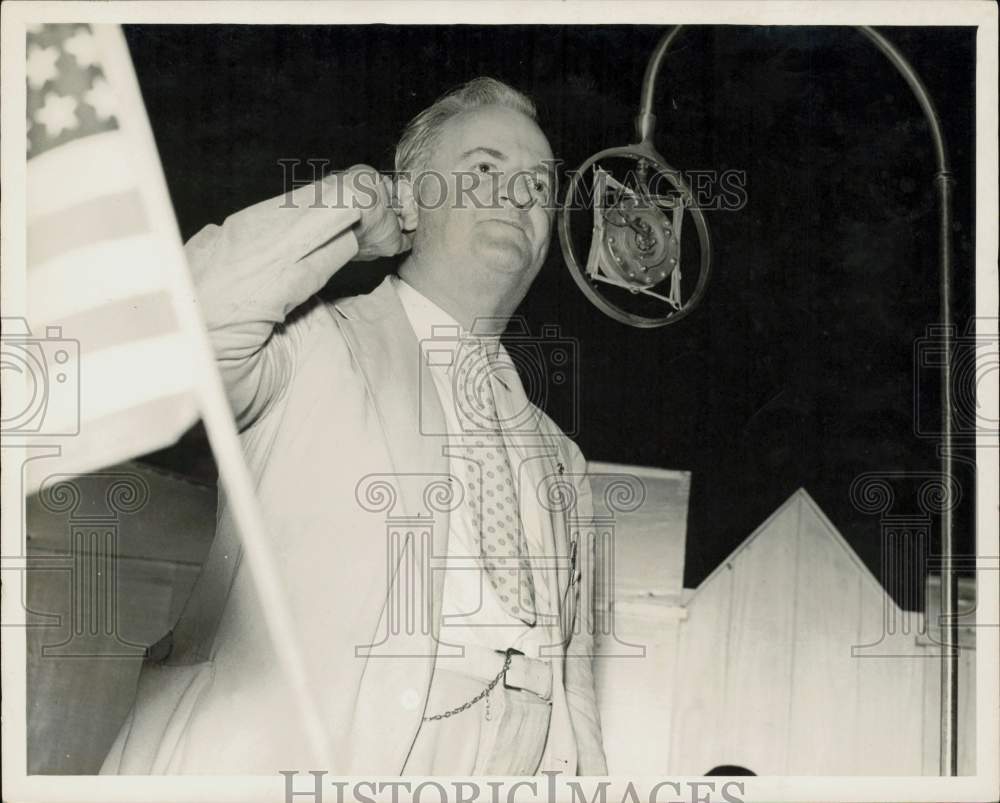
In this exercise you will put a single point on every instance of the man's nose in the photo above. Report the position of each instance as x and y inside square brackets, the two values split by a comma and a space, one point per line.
[517, 192]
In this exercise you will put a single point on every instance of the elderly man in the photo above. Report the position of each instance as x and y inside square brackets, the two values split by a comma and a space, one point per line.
[354, 416]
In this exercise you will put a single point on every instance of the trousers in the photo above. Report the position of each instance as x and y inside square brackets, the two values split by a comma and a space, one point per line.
[502, 734]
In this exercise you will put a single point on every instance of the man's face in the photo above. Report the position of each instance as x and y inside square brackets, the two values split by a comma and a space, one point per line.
[485, 202]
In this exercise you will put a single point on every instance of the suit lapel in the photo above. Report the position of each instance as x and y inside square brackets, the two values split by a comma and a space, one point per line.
[402, 391]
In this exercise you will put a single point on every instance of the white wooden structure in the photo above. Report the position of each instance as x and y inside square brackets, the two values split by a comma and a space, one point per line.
[754, 667]
[641, 598]
[779, 662]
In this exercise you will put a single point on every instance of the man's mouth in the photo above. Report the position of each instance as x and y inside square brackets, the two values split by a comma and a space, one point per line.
[508, 222]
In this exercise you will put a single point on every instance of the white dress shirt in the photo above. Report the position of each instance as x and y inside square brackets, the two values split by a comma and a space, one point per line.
[470, 610]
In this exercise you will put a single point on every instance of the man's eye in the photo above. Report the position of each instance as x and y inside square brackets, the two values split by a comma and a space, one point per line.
[542, 188]
[484, 167]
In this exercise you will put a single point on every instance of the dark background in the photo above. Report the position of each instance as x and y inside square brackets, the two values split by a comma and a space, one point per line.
[798, 368]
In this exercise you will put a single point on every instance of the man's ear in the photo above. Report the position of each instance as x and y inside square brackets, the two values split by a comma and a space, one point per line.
[407, 202]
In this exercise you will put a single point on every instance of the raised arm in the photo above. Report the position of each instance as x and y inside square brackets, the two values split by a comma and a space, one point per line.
[266, 260]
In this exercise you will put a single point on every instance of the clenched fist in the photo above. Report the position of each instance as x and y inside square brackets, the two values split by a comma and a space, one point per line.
[383, 230]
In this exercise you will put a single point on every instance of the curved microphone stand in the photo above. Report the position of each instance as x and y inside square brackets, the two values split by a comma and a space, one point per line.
[645, 125]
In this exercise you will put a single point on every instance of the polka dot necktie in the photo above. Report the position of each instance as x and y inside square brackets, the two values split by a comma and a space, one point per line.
[492, 495]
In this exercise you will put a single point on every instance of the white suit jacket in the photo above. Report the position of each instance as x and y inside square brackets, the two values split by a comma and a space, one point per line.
[333, 412]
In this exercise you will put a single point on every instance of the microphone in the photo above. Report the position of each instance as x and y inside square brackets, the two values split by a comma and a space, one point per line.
[633, 270]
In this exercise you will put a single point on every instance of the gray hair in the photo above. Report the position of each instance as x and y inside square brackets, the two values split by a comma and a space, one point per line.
[422, 132]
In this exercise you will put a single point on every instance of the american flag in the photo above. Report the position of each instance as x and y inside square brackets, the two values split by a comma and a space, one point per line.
[113, 342]
[105, 358]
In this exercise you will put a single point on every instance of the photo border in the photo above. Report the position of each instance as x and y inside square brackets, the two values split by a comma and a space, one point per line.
[983, 786]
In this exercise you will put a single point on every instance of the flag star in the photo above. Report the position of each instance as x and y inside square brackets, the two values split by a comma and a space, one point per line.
[42, 65]
[58, 114]
[83, 47]
[102, 98]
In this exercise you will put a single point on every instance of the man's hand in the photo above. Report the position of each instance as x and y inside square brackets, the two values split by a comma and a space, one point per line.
[380, 233]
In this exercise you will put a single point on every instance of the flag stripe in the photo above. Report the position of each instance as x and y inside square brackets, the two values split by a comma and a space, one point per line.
[135, 318]
[106, 367]
[109, 217]
[117, 378]
[112, 270]
[114, 438]
[97, 165]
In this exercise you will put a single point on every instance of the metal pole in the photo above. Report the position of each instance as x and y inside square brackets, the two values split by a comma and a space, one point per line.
[949, 578]
[943, 183]
[645, 124]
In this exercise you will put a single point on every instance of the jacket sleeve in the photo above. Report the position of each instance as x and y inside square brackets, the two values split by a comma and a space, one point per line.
[251, 272]
[581, 694]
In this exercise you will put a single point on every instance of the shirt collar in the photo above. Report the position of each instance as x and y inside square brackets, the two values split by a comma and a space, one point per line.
[437, 330]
